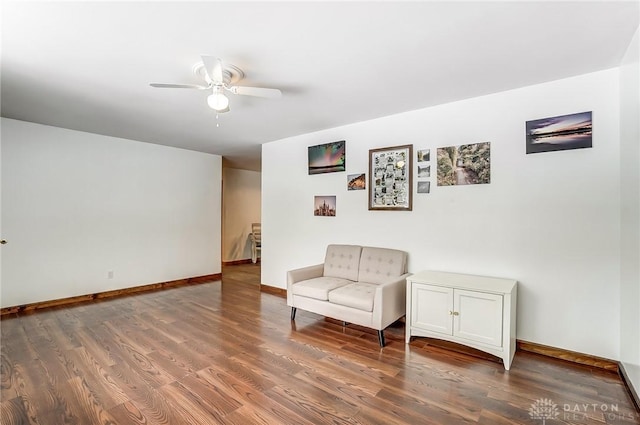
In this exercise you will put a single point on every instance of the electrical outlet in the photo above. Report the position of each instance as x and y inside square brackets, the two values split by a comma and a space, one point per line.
[110, 274]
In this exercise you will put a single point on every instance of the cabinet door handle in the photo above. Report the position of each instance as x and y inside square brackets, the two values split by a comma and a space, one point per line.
[454, 313]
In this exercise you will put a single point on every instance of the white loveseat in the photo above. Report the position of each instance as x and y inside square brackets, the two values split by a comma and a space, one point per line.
[355, 284]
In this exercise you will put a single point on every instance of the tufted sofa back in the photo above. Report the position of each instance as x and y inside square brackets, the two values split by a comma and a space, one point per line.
[377, 265]
[342, 261]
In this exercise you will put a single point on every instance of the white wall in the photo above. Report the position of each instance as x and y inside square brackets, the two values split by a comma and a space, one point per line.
[550, 220]
[78, 205]
[630, 212]
[241, 207]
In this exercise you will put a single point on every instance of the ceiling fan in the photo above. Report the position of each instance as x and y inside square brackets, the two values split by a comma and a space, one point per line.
[221, 77]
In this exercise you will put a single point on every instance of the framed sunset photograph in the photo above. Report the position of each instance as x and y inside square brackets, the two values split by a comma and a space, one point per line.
[564, 132]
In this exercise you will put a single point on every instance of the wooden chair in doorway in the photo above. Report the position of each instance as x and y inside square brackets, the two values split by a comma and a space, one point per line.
[256, 241]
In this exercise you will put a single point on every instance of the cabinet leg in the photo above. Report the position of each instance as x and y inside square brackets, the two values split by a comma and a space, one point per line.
[381, 338]
[293, 313]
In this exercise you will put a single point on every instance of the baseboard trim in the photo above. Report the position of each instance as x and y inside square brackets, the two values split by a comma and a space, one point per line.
[627, 382]
[108, 294]
[238, 262]
[273, 290]
[583, 359]
[570, 356]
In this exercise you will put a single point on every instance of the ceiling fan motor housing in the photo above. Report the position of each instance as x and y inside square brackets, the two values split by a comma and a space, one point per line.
[231, 74]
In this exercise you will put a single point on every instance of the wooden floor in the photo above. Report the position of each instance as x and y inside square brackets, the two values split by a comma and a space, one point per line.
[225, 353]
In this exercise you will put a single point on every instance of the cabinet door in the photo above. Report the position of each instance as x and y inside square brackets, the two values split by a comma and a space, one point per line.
[431, 308]
[479, 317]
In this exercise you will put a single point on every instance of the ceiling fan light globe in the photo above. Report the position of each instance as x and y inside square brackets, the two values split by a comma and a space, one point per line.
[218, 101]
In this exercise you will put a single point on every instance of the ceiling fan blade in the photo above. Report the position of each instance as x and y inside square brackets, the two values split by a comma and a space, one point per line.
[257, 91]
[177, 86]
[213, 67]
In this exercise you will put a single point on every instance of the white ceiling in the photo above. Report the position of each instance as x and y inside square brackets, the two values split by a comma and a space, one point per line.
[87, 65]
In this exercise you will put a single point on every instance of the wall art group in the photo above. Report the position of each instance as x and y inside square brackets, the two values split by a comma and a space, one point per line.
[391, 168]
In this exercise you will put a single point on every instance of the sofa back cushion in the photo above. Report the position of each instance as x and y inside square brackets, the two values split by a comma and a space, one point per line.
[377, 265]
[342, 261]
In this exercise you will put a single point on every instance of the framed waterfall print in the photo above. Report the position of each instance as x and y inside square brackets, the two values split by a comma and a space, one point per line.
[390, 178]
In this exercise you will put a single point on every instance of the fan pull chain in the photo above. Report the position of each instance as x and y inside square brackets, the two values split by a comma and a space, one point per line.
[217, 123]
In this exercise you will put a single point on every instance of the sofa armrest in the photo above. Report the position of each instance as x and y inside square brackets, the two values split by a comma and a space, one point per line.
[309, 272]
[298, 275]
[390, 302]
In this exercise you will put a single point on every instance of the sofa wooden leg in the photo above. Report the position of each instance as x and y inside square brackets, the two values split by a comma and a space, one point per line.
[293, 313]
[381, 338]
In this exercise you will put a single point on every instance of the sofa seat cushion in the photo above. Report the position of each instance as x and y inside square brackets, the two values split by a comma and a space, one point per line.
[319, 287]
[357, 295]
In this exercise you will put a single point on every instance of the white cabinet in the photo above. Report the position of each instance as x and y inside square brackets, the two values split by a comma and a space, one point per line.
[476, 311]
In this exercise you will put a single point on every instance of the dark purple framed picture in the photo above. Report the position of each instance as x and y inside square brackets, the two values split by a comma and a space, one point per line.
[559, 133]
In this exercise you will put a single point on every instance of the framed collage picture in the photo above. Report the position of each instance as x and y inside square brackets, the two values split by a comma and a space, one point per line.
[390, 178]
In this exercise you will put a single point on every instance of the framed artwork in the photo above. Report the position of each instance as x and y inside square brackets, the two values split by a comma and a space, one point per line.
[464, 164]
[356, 182]
[424, 187]
[559, 133]
[390, 178]
[324, 206]
[424, 155]
[327, 158]
[424, 170]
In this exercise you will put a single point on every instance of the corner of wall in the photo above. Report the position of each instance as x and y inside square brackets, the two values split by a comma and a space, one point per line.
[630, 214]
